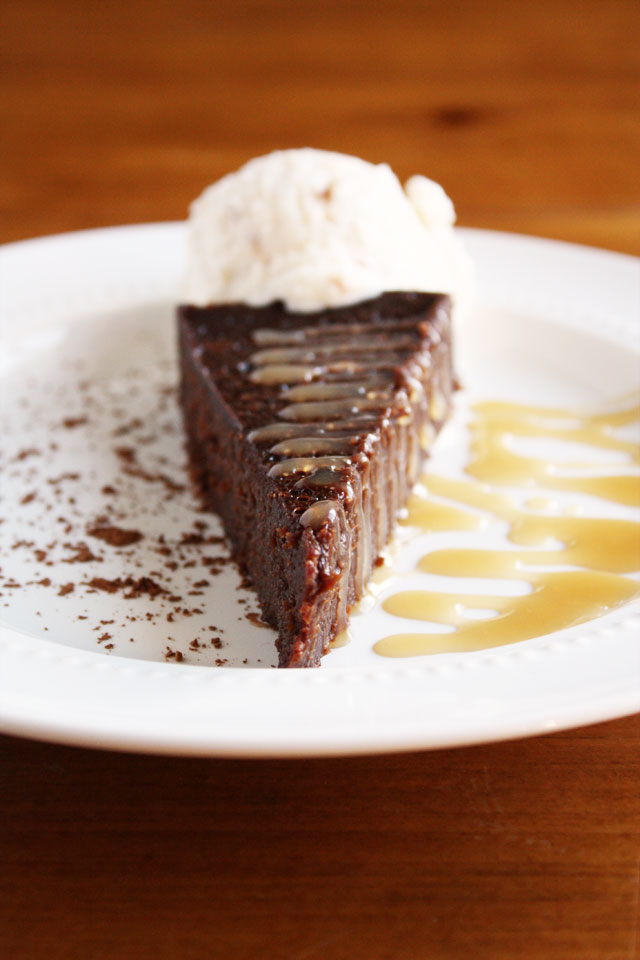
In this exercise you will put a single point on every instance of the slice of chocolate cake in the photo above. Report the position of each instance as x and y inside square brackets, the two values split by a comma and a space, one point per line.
[306, 432]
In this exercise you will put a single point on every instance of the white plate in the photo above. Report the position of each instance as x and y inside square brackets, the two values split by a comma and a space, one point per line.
[555, 324]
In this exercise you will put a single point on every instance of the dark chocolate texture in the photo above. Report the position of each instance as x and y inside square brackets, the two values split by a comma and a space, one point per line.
[306, 433]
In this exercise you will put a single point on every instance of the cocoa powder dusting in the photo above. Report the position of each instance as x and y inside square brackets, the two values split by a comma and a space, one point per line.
[114, 519]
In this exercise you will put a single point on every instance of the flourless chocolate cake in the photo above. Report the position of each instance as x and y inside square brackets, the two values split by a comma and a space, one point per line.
[306, 433]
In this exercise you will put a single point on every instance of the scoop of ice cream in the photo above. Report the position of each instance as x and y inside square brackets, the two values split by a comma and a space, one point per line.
[318, 229]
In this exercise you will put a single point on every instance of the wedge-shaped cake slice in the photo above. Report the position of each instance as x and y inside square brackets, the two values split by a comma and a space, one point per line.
[306, 433]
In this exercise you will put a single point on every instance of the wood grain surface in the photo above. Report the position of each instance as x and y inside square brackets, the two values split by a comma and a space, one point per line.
[528, 114]
[122, 112]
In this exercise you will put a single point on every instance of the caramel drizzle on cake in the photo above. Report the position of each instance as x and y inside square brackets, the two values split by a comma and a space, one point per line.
[336, 383]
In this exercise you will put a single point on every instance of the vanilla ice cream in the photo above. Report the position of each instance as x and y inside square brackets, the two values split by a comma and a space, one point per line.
[318, 229]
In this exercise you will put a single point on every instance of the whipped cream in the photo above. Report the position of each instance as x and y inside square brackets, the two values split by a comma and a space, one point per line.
[318, 229]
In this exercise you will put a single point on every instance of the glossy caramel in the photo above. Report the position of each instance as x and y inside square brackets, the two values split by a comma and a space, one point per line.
[570, 567]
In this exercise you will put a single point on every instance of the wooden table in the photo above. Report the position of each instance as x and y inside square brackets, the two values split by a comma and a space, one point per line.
[122, 112]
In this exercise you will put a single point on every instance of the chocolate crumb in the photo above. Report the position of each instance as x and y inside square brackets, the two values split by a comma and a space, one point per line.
[126, 428]
[127, 454]
[65, 589]
[82, 554]
[188, 539]
[115, 536]
[101, 583]
[68, 475]
[143, 585]
[21, 543]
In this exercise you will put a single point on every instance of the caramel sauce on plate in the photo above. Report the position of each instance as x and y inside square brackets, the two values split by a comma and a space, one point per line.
[567, 568]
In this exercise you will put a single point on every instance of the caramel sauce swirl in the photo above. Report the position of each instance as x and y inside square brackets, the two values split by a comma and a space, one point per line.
[567, 568]
[493, 459]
